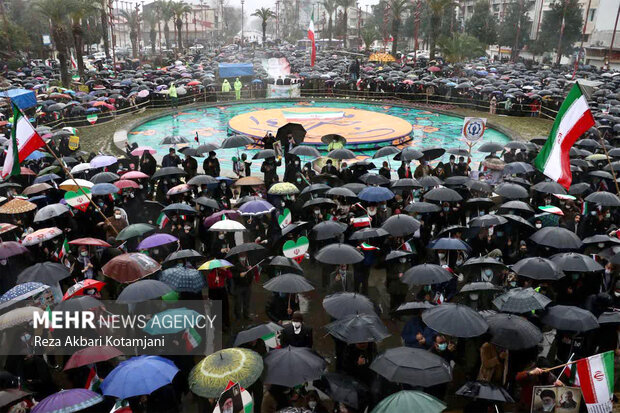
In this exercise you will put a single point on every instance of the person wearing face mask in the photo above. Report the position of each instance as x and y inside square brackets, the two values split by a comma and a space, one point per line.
[87, 269]
[296, 333]
[314, 403]
[211, 165]
[270, 174]
[171, 159]
[114, 224]
[341, 280]
[521, 252]
[187, 237]
[492, 363]
[346, 174]
[357, 359]
[243, 274]
[394, 270]
[246, 164]
[385, 170]
[329, 168]
[292, 169]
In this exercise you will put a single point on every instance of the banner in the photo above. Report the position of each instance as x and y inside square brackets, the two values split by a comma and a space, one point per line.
[283, 91]
[556, 399]
[473, 128]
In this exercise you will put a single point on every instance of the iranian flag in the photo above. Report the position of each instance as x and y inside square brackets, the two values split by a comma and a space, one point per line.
[92, 381]
[367, 247]
[596, 379]
[192, 339]
[361, 222]
[24, 141]
[573, 119]
[311, 37]
[64, 249]
[162, 221]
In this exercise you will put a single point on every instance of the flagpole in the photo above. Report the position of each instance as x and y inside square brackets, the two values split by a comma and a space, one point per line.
[63, 166]
[613, 173]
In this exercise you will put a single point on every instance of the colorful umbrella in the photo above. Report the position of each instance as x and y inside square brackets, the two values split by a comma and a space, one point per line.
[138, 376]
[211, 376]
[67, 401]
[93, 242]
[21, 292]
[156, 240]
[127, 268]
[81, 287]
[41, 235]
[213, 264]
[179, 189]
[17, 206]
[139, 151]
[217, 216]
[75, 184]
[92, 355]
[126, 183]
[4, 227]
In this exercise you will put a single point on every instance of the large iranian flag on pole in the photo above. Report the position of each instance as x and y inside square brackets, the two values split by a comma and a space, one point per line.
[573, 120]
[596, 378]
[311, 37]
[24, 141]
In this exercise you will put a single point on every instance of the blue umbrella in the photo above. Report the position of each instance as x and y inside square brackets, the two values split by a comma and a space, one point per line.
[256, 207]
[453, 244]
[257, 81]
[45, 178]
[158, 324]
[104, 189]
[375, 194]
[183, 279]
[91, 110]
[21, 292]
[36, 155]
[138, 376]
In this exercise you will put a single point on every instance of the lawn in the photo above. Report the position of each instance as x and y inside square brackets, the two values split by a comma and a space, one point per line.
[523, 128]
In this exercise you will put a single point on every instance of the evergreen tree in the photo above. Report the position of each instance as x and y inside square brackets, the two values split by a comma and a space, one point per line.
[565, 13]
[514, 31]
[482, 24]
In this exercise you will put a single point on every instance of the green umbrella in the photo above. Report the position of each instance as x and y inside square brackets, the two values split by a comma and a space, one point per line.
[134, 230]
[409, 401]
[210, 377]
[50, 169]
[159, 324]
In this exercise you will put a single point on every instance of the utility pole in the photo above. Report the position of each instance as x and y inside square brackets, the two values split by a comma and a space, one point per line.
[515, 49]
[558, 56]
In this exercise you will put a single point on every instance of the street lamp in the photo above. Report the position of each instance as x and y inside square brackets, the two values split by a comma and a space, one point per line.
[242, 1]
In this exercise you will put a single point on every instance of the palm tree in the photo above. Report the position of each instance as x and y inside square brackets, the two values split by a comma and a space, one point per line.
[78, 11]
[264, 14]
[330, 7]
[56, 12]
[165, 13]
[436, 10]
[345, 4]
[132, 17]
[460, 47]
[103, 11]
[369, 35]
[397, 7]
[151, 18]
[178, 10]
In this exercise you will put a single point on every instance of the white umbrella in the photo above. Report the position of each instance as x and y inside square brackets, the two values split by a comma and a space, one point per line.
[81, 167]
[70, 184]
[41, 235]
[18, 316]
[227, 225]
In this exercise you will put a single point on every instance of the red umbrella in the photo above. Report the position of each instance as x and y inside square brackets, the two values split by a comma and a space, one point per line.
[80, 287]
[26, 171]
[91, 355]
[127, 268]
[193, 83]
[134, 175]
[217, 216]
[94, 242]
[434, 69]
[126, 183]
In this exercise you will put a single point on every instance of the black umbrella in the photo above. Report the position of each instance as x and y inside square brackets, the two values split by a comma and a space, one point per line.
[167, 171]
[341, 191]
[48, 273]
[328, 229]
[315, 188]
[557, 237]
[425, 274]
[571, 261]
[345, 389]
[400, 225]
[485, 391]
[443, 195]
[206, 147]
[538, 268]
[341, 154]
[179, 209]
[549, 187]
[295, 129]
[358, 328]
[512, 207]
[385, 151]
[609, 317]
[332, 137]
[374, 179]
[414, 366]
[405, 183]
[569, 318]
[104, 177]
[286, 264]
[517, 168]
[76, 304]
[513, 332]
[603, 198]
[397, 254]
[340, 305]
[477, 263]
[413, 307]
[143, 290]
[479, 186]
[408, 154]
[288, 283]
[511, 191]
[490, 147]
[202, 180]
[486, 221]
[236, 141]
[422, 207]
[459, 152]
[456, 180]
[455, 320]
[355, 187]
[247, 247]
[339, 254]
[430, 181]
[368, 233]
[207, 202]
[264, 154]
[479, 203]
[292, 366]
[187, 254]
[521, 300]
[478, 286]
[320, 202]
[255, 333]
[520, 221]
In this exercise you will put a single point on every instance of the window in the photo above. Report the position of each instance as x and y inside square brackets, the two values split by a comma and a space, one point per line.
[591, 15]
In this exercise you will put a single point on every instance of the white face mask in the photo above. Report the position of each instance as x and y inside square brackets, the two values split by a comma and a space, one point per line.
[221, 236]
[402, 260]
[538, 226]
[312, 404]
[441, 255]
[616, 293]
[473, 297]
[117, 216]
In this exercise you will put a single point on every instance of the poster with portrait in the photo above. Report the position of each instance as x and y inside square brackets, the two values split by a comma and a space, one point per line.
[230, 400]
[556, 399]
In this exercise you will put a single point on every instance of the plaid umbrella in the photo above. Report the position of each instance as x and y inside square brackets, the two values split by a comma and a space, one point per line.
[183, 279]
